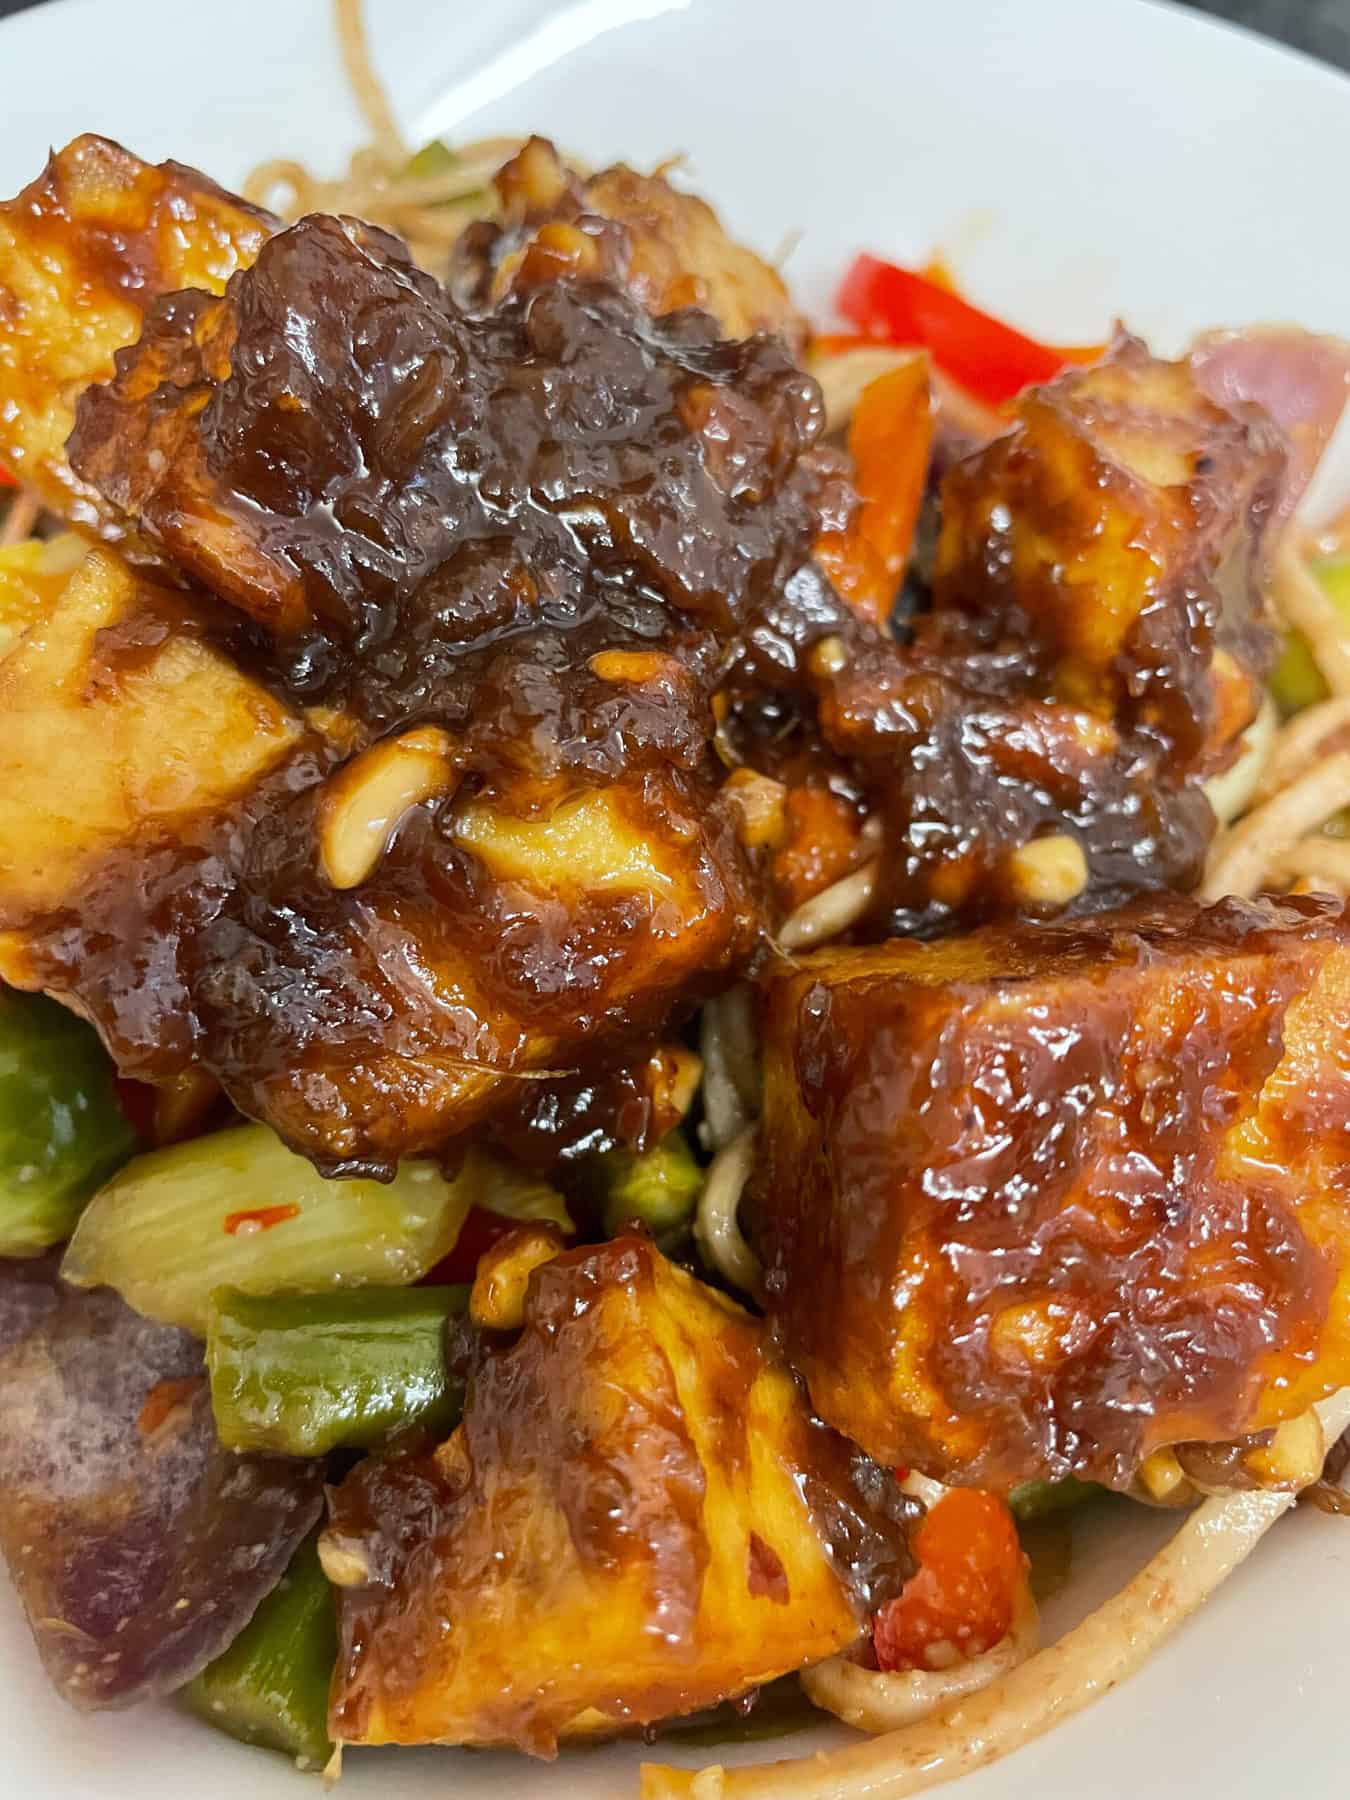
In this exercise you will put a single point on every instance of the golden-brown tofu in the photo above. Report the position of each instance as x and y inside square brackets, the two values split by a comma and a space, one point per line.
[483, 947]
[1114, 534]
[680, 255]
[33, 576]
[509, 576]
[161, 817]
[1042, 1200]
[636, 1518]
[84, 250]
[162, 871]
[117, 715]
[670, 250]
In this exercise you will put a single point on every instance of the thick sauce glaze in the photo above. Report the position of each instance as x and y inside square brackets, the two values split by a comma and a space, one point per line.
[576, 539]
[637, 1518]
[1095, 646]
[664, 246]
[390, 482]
[1037, 1203]
[85, 249]
[536, 530]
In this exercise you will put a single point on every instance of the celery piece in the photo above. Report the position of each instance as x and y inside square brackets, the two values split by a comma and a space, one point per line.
[1038, 1499]
[303, 1374]
[658, 1188]
[61, 1129]
[502, 1187]
[434, 158]
[271, 1686]
[1297, 681]
[238, 1209]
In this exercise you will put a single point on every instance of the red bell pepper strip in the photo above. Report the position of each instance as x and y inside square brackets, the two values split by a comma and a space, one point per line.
[981, 354]
[890, 440]
[6, 479]
[965, 1592]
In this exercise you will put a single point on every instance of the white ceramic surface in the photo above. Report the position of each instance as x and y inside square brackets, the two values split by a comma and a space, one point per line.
[1079, 159]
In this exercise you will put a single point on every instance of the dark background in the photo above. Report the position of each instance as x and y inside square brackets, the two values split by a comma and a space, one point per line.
[1321, 27]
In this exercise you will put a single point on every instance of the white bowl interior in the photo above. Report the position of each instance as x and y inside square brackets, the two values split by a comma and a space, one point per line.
[1077, 162]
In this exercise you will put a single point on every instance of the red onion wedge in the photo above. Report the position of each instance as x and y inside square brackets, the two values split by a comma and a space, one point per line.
[139, 1547]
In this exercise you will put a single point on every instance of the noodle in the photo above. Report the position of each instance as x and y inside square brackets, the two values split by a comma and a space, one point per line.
[964, 1735]
[428, 207]
[365, 83]
[716, 1227]
[429, 211]
[1230, 793]
[1242, 858]
[1299, 596]
[1306, 774]
[873, 1701]
[1309, 732]
[731, 1086]
[1322, 862]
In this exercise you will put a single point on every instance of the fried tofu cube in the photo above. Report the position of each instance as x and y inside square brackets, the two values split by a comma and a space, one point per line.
[1042, 1200]
[33, 576]
[1116, 529]
[509, 856]
[671, 249]
[117, 716]
[147, 783]
[636, 1518]
[84, 250]
[545, 936]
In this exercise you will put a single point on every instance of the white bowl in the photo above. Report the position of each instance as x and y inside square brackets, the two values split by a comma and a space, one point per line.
[1077, 160]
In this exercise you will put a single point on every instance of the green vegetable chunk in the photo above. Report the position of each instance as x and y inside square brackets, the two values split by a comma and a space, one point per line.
[1297, 681]
[658, 1189]
[303, 1374]
[271, 1686]
[61, 1129]
[238, 1209]
[1038, 1499]
[434, 158]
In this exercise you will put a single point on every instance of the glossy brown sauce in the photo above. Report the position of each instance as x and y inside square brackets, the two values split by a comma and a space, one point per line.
[577, 539]
[97, 237]
[597, 1478]
[463, 518]
[1041, 1215]
[398, 485]
[1093, 642]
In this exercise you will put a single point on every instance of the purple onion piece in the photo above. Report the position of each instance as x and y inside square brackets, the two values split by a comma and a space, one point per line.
[1300, 379]
[139, 1547]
